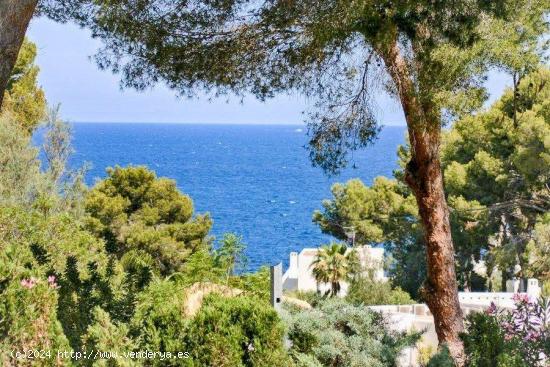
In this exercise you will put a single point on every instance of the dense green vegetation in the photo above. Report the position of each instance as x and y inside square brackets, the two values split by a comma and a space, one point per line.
[23, 98]
[515, 338]
[145, 219]
[336, 333]
[497, 168]
[113, 276]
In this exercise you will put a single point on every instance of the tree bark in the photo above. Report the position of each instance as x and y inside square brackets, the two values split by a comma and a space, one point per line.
[14, 20]
[424, 176]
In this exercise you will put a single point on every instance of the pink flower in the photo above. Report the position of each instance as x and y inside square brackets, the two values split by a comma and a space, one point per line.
[51, 281]
[29, 283]
[492, 309]
[521, 298]
[532, 336]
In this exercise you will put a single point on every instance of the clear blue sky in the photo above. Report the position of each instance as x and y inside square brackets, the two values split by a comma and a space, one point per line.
[86, 93]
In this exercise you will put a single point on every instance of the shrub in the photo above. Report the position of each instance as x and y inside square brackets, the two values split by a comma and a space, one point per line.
[441, 359]
[366, 291]
[517, 338]
[257, 283]
[159, 321]
[28, 321]
[235, 332]
[239, 331]
[337, 333]
[37, 253]
[110, 339]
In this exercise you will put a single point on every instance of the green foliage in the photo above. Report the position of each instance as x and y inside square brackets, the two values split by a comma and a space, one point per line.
[371, 211]
[23, 182]
[257, 283]
[47, 241]
[45, 254]
[366, 291]
[485, 343]
[441, 359]
[408, 269]
[200, 266]
[133, 211]
[230, 254]
[385, 212]
[337, 333]
[539, 249]
[105, 288]
[58, 146]
[235, 332]
[311, 297]
[37, 246]
[23, 98]
[28, 317]
[498, 159]
[159, 322]
[495, 174]
[19, 164]
[114, 280]
[110, 340]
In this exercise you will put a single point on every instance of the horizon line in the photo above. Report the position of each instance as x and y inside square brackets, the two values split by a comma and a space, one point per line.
[208, 123]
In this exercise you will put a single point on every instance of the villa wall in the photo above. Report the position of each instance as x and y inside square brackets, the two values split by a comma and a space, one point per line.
[299, 274]
[418, 316]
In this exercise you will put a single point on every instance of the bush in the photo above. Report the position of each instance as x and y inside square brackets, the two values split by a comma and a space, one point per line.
[239, 331]
[257, 284]
[484, 342]
[341, 334]
[110, 339]
[441, 359]
[37, 252]
[159, 320]
[28, 321]
[235, 332]
[518, 338]
[366, 291]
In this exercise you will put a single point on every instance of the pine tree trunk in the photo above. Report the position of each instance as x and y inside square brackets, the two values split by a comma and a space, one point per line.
[424, 177]
[14, 20]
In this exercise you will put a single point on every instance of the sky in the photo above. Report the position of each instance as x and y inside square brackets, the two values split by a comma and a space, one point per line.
[70, 77]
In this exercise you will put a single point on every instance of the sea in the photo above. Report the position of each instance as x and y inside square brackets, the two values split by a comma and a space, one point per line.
[255, 180]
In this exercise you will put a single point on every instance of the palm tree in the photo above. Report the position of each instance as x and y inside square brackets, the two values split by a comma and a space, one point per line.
[230, 254]
[331, 265]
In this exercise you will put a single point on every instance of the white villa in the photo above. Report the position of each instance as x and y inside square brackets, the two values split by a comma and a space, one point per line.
[299, 273]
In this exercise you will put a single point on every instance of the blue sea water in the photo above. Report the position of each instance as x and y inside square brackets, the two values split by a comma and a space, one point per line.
[254, 180]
